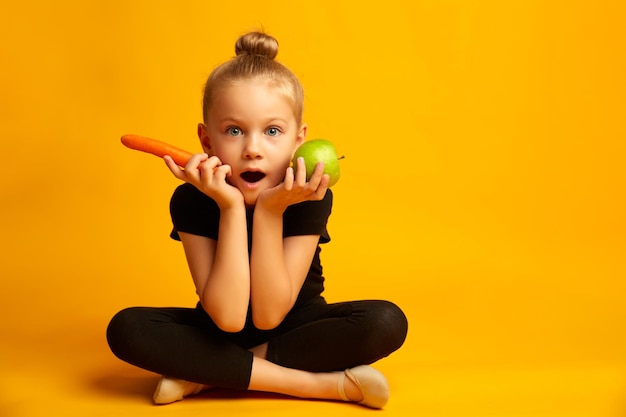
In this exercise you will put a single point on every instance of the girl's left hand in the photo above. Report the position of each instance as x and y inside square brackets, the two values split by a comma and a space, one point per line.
[295, 188]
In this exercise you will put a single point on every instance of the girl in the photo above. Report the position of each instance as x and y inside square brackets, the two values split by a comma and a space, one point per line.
[251, 226]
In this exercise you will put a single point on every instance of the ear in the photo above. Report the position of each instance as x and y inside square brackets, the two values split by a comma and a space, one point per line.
[203, 135]
[301, 136]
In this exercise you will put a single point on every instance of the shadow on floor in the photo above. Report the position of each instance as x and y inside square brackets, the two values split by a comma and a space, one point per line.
[140, 384]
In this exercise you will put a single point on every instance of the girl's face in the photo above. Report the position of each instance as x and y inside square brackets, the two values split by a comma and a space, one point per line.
[252, 128]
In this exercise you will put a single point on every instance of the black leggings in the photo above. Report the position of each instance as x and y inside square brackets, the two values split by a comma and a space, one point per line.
[318, 337]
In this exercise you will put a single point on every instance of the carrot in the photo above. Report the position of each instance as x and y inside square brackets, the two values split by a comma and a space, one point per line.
[156, 147]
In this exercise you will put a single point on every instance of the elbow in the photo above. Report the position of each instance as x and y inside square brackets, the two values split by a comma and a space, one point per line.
[266, 324]
[230, 326]
[227, 321]
[266, 321]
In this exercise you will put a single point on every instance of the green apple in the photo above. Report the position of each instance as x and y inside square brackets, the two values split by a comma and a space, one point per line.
[319, 150]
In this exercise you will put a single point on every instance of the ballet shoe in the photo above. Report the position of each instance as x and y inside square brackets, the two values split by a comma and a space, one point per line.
[170, 390]
[371, 382]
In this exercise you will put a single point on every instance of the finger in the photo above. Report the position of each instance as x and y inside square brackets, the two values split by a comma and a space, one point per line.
[174, 168]
[208, 166]
[316, 177]
[213, 161]
[320, 192]
[300, 175]
[195, 161]
[221, 172]
[193, 169]
[288, 182]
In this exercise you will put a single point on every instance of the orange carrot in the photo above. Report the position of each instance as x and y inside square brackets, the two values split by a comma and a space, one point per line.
[156, 147]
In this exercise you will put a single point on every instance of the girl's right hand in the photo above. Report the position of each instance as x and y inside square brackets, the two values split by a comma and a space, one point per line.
[208, 175]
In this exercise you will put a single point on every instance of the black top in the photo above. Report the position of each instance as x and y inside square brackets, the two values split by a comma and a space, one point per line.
[196, 213]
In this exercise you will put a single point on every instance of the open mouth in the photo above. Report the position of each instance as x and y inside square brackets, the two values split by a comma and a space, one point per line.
[252, 176]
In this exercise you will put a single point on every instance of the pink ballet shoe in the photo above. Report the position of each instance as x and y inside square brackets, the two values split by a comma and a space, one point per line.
[371, 382]
[170, 390]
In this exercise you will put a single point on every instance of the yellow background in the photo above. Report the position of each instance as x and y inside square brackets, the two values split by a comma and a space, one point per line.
[483, 191]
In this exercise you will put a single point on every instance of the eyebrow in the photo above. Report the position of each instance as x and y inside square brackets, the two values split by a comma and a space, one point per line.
[268, 121]
[276, 120]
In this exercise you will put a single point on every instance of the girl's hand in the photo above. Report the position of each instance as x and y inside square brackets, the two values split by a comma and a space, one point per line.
[295, 188]
[208, 175]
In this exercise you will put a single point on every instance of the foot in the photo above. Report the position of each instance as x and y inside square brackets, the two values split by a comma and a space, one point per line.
[169, 390]
[372, 384]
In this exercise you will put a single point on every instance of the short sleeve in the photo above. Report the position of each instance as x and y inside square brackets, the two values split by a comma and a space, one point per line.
[309, 218]
[193, 212]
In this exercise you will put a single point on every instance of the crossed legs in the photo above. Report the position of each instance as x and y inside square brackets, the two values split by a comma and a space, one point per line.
[307, 359]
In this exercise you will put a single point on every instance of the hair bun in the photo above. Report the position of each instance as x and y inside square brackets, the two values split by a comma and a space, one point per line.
[257, 44]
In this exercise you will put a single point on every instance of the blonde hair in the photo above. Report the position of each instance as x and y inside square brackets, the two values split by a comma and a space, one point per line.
[254, 60]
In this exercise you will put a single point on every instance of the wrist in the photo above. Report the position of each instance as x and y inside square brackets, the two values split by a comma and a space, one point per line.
[231, 203]
[232, 209]
[268, 211]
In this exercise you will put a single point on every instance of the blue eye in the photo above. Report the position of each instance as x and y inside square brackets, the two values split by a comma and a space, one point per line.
[273, 131]
[233, 131]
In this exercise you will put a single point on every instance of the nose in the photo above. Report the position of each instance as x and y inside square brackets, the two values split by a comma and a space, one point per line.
[252, 147]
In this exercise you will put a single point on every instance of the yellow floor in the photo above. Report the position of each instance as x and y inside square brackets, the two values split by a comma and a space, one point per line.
[65, 369]
[87, 381]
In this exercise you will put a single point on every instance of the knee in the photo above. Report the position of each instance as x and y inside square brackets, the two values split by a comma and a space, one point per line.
[392, 325]
[122, 329]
